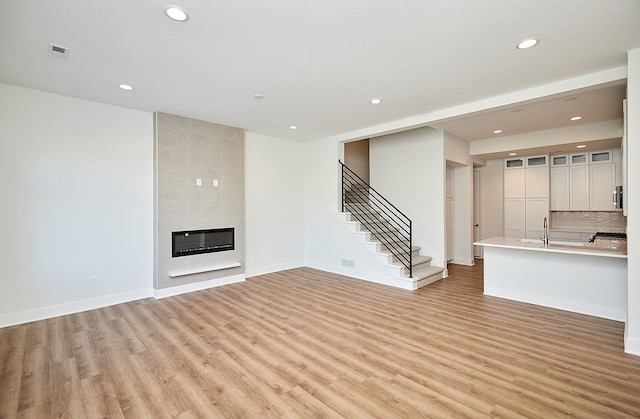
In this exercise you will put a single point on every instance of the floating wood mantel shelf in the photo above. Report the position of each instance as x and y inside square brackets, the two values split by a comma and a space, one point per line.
[202, 269]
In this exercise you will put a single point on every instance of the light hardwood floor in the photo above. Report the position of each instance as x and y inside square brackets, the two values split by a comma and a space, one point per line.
[307, 343]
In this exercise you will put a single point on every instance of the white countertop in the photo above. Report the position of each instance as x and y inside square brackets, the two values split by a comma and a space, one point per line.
[554, 247]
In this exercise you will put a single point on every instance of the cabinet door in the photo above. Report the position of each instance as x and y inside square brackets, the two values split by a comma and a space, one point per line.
[514, 218]
[537, 182]
[514, 183]
[579, 188]
[602, 183]
[559, 188]
[536, 211]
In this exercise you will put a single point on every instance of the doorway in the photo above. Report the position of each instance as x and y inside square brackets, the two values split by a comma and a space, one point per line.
[477, 214]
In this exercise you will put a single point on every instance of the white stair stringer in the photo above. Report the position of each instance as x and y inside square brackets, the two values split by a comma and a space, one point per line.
[423, 272]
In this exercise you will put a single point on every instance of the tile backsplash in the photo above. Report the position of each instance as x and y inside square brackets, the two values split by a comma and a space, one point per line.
[589, 221]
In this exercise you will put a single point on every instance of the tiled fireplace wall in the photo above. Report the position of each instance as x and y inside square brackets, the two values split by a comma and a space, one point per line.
[186, 150]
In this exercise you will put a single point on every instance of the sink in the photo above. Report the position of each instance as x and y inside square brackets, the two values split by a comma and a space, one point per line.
[554, 242]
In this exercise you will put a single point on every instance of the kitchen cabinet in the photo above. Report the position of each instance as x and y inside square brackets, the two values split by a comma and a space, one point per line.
[584, 181]
[514, 183]
[602, 156]
[514, 218]
[536, 209]
[559, 183]
[526, 196]
[579, 187]
[537, 182]
[514, 163]
[559, 179]
[602, 182]
[583, 279]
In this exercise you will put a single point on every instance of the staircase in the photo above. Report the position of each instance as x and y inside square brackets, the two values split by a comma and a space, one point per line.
[385, 232]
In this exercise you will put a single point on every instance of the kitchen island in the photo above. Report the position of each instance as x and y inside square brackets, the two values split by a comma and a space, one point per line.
[575, 277]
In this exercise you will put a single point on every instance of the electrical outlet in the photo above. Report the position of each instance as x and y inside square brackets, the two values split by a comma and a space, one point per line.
[94, 279]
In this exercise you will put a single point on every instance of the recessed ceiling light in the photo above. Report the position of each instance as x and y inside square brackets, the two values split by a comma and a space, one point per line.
[527, 43]
[293, 127]
[176, 13]
[513, 154]
[581, 146]
[576, 118]
[258, 96]
[375, 101]
[498, 131]
[126, 87]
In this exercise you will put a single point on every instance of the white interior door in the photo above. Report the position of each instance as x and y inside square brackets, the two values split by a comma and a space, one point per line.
[477, 235]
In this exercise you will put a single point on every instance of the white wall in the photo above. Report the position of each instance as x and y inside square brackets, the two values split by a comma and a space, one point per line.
[327, 240]
[76, 179]
[408, 168]
[491, 199]
[274, 191]
[632, 200]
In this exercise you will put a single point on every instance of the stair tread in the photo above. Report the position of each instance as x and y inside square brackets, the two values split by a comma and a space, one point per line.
[426, 272]
[415, 260]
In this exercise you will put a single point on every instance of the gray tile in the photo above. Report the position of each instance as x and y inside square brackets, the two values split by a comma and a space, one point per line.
[173, 191]
[199, 209]
[203, 160]
[208, 129]
[173, 122]
[206, 192]
[172, 138]
[168, 209]
[232, 178]
[205, 143]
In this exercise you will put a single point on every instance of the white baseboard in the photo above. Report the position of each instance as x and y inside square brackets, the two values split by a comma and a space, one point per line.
[33, 315]
[461, 261]
[557, 303]
[197, 286]
[631, 345]
[366, 276]
[273, 268]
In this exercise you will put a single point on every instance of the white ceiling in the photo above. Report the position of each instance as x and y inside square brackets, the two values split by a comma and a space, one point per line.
[318, 62]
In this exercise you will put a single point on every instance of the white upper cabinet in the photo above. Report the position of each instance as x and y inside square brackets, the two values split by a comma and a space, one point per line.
[514, 163]
[560, 161]
[537, 161]
[602, 183]
[579, 158]
[584, 181]
[526, 195]
[537, 182]
[559, 180]
[603, 156]
[514, 183]
[579, 187]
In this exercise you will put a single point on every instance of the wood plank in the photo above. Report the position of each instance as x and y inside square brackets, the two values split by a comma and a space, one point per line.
[304, 342]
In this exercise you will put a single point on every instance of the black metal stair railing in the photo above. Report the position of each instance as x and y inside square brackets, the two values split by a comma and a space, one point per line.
[381, 218]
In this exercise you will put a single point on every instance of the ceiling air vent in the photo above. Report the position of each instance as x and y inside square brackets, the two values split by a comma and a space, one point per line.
[58, 51]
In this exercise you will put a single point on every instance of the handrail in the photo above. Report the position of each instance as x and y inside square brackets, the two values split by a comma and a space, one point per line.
[380, 217]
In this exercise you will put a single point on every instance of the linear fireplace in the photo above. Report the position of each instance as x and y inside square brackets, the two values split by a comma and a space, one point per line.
[194, 242]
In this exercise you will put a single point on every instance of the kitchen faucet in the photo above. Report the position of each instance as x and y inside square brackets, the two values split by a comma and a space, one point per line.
[545, 237]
